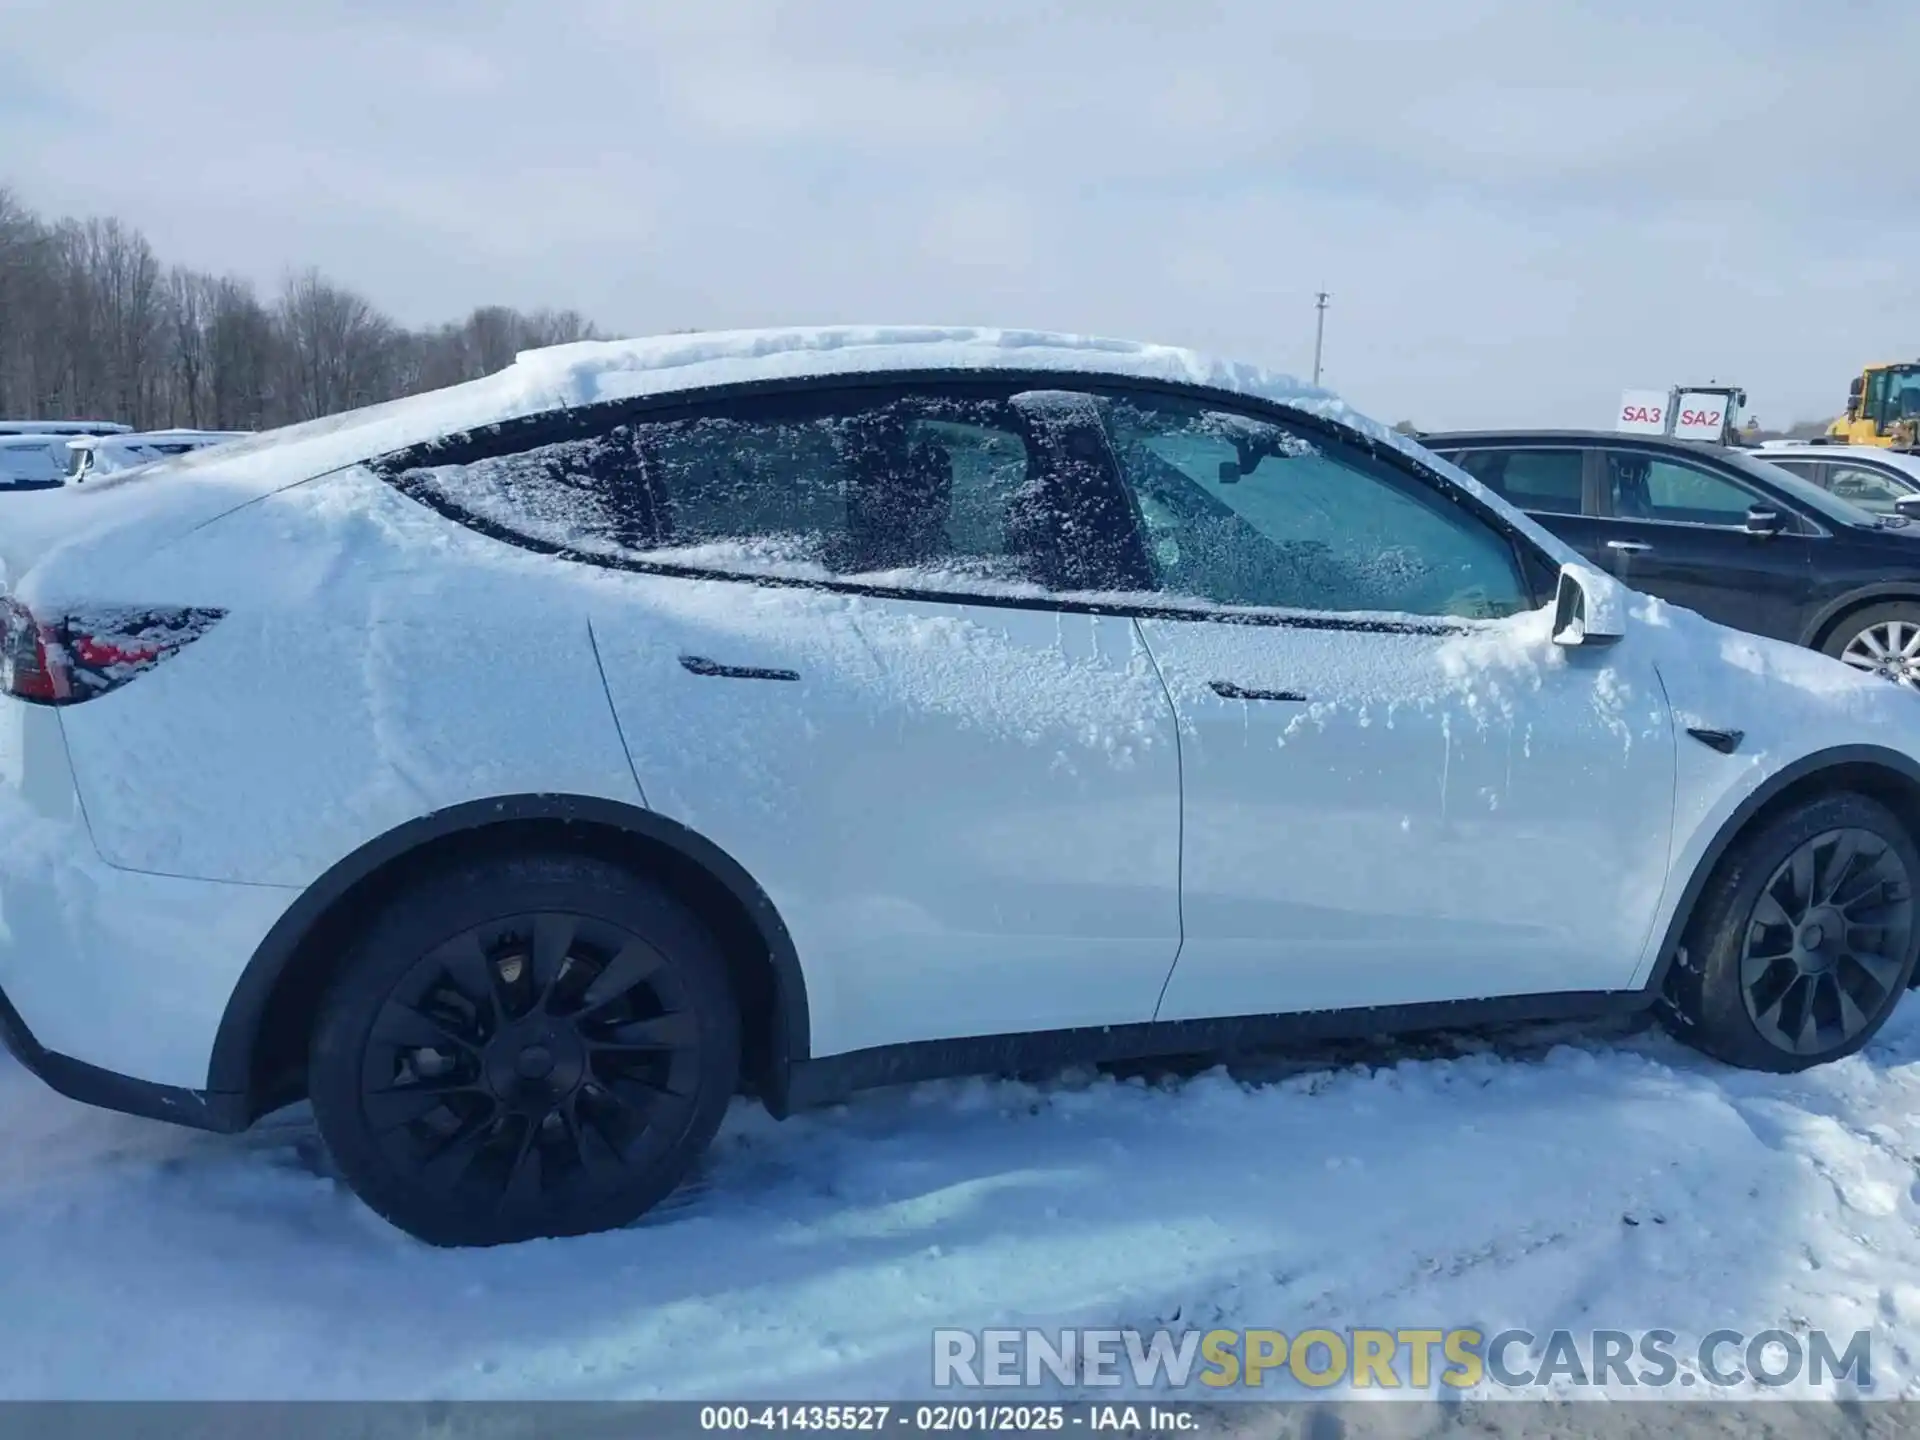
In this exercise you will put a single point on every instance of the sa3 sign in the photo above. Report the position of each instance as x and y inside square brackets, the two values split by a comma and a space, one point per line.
[1699, 417]
[1642, 412]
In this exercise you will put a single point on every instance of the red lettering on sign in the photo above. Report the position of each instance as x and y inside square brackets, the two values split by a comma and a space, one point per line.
[1641, 415]
[1700, 417]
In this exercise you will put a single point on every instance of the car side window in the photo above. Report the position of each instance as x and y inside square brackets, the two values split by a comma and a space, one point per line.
[1546, 482]
[1805, 469]
[942, 490]
[1241, 511]
[1648, 487]
[1869, 489]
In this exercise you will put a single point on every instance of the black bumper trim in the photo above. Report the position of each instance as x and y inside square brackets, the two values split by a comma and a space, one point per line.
[90, 1085]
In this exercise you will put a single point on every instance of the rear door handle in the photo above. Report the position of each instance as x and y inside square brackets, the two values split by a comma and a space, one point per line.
[1628, 547]
[701, 665]
[1227, 690]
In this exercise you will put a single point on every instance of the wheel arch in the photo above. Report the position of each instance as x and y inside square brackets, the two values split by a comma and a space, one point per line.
[290, 967]
[1827, 619]
[1876, 771]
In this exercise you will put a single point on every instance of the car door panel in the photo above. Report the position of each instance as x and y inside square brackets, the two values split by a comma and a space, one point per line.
[1438, 817]
[1379, 809]
[1704, 558]
[968, 817]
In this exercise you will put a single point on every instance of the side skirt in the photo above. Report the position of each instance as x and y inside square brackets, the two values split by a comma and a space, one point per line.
[823, 1081]
[90, 1085]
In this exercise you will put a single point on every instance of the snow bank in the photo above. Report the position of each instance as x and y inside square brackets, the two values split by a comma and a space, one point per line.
[1551, 1180]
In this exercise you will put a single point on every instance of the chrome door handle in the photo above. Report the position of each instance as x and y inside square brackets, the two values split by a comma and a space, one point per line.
[1628, 547]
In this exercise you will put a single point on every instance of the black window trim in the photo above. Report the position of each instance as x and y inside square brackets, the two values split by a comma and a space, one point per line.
[578, 421]
[1589, 473]
[1873, 466]
[1599, 498]
[1806, 526]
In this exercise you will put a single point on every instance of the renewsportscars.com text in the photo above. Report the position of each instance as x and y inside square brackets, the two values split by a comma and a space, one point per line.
[1396, 1359]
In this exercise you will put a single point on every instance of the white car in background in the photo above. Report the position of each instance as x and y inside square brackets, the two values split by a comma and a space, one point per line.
[92, 455]
[520, 771]
[1886, 482]
[63, 427]
[32, 462]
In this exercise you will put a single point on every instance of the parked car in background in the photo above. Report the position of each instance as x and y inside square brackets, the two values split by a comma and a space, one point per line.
[519, 772]
[1886, 482]
[90, 455]
[1719, 530]
[63, 427]
[32, 462]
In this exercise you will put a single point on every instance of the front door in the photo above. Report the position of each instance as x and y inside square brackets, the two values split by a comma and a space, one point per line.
[1678, 530]
[1396, 788]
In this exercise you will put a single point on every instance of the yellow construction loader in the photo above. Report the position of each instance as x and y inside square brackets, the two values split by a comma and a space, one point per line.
[1883, 408]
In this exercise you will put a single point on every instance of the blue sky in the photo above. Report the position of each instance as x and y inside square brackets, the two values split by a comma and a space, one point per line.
[1520, 206]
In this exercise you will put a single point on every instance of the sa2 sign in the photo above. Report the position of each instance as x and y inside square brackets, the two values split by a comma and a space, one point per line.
[1700, 417]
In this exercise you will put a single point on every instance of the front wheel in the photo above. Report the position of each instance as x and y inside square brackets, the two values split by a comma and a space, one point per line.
[1804, 940]
[538, 1045]
[1881, 640]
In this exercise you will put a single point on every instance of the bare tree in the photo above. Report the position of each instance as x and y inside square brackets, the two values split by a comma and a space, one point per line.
[336, 347]
[92, 325]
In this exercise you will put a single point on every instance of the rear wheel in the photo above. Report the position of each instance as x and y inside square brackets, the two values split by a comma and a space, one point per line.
[1804, 940]
[532, 1046]
[1882, 640]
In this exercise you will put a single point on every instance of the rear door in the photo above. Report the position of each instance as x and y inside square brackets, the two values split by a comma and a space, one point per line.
[856, 675]
[1676, 527]
[1555, 484]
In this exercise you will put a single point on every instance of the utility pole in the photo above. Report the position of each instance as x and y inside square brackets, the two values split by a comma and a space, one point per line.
[1319, 331]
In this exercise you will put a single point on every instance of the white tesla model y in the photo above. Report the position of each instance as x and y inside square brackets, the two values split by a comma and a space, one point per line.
[522, 771]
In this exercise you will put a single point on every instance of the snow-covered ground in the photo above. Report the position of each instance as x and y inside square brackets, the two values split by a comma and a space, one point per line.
[1540, 1179]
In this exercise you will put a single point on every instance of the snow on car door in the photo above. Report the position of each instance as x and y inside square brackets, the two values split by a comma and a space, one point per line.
[1396, 788]
[962, 799]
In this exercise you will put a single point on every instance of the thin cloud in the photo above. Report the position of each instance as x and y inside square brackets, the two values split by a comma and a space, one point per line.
[1520, 206]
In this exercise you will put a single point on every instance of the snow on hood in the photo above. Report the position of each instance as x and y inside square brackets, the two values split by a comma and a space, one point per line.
[167, 499]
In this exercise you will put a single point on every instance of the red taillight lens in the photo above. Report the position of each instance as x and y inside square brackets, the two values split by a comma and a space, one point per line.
[86, 653]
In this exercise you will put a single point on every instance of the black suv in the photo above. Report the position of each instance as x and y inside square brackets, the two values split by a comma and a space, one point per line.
[1719, 531]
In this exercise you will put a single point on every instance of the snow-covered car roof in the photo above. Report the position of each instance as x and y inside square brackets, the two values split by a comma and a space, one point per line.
[587, 372]
[1899, 459]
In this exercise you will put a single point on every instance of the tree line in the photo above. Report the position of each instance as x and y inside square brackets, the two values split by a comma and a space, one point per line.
[94, 326]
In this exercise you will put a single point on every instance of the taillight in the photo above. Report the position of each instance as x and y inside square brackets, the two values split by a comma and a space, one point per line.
[86, 653]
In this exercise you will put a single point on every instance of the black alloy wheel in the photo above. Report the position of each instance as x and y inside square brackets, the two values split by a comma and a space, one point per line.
[1825, 944]
[1803, 940]
[550, 1062]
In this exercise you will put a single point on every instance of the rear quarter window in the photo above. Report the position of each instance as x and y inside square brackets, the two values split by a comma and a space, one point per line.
[945, 488]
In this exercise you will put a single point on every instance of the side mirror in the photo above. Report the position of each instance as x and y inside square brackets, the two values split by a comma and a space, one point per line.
[1908, 505]
[1762, 521]
[1588, 608]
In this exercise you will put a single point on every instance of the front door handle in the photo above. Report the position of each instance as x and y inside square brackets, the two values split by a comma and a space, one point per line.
[1227, 690]
[1629, 547]
[701, 665]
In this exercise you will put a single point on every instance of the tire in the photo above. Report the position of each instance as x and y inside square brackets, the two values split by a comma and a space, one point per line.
[1766, 983]
[525, 1046]
[1880, 640]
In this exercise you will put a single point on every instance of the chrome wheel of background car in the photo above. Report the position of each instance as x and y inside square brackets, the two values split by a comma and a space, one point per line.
[539, 1057]
[1890, 649]
[1826, 941]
